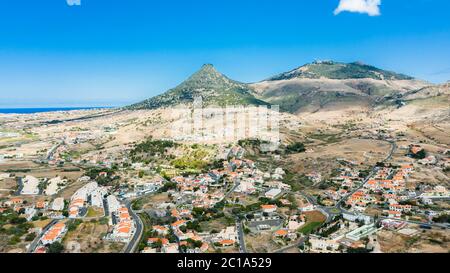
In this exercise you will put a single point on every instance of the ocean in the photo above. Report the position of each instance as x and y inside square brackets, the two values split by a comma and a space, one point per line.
[42, 110]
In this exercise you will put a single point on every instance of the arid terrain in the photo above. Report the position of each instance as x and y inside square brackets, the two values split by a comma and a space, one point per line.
[358, 162]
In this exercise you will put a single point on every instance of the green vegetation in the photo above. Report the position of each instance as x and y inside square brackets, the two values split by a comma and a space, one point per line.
[18, 170]
[68, 156]
[329, 230]
[72, 225]
[296, 147]
[444, 218]
[56, 247]
[309, 227]
[93, 212]
[103, 176]
[147, 233]
[328, 138]
[212, 86]
[192, 225]
[336, 70]
[153, 147]
[30, 237]
[137, 204]
[189, 163]
[17, 226]
[251, 143]
[358, 250]
[168, 186]
[296, 181]
[419, 155]
[103, 221]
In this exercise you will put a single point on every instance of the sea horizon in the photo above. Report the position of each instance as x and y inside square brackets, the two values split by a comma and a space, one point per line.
[34, 110]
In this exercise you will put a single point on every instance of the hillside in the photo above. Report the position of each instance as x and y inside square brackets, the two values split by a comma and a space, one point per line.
[339, 71]
[211, 85]
[313, 87]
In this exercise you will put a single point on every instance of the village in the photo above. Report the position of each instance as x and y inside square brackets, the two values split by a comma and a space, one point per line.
[247, 206]
[77, 191]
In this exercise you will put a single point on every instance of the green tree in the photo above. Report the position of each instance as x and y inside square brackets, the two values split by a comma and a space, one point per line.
[30, 237]
[296, 147]
[56, 247]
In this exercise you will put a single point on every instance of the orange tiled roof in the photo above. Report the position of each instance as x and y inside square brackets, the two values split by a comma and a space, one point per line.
[281, 232]
[226, 242]
[178, 223]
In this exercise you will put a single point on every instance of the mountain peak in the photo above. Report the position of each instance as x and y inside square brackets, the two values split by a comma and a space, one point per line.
[207, 70]
[339, 71]
[208, 83]
[208, 66]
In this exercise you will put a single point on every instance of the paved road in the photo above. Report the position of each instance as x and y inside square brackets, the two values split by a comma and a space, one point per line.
[86, 117]
[134, 242]
[330, 212]
[240, 232]
[53, 150]
[231, 190]
[372, 172]
[19, 186]
[36, 240]
[295, 245]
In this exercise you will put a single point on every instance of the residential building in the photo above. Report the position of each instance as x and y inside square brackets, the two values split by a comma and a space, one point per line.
[272, 193]
[30, 185]
[361, 232]
[54, 233]
[58, 204]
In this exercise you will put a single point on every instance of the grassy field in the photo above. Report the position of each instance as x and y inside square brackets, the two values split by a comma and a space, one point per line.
[216, 224]
[309, 227]
[94, 212]
[314, 219]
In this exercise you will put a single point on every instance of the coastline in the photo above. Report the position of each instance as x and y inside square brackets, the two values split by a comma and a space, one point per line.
[16, 111]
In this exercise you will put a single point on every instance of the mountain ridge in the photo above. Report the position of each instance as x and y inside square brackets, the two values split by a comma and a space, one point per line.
[208, 83]
[339, 70]
[314, 84]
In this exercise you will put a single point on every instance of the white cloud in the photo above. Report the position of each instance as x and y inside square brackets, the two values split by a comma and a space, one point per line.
[73, 2]
[371, 7]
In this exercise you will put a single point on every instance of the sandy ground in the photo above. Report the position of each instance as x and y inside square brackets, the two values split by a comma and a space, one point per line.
[89, 237]
[434, 241]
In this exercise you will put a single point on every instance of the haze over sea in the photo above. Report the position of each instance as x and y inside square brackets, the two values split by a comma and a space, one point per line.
[43, 110]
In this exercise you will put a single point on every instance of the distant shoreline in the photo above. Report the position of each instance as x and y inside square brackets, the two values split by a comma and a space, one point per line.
[47, 109]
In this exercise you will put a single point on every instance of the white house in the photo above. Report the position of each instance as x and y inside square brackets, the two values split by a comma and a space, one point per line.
[54, 185]
[361, 232]
[30, 185]
[113, 203]
[229, 233]
[97, 197]
[272, 193]
[323, 244]
[58, 204]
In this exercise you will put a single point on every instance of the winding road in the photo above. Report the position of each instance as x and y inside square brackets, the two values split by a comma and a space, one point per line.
[36, 240]
[134, 242]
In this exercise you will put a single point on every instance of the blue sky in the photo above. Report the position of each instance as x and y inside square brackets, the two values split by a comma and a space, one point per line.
[115, 52]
